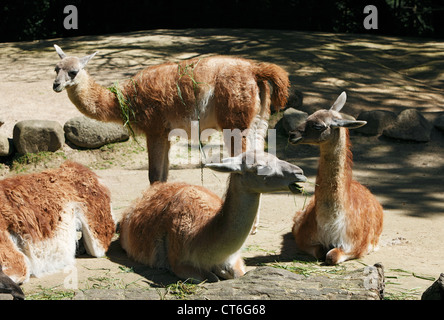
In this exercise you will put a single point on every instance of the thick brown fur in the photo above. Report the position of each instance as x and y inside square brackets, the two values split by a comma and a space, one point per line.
[221, 92]
[344, 219]
[354, 216]
[31, 207]
[155, 96]
[189, 208]
[191, 231]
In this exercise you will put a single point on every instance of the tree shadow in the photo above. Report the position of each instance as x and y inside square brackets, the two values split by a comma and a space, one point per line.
[404, 176]
[377, 72]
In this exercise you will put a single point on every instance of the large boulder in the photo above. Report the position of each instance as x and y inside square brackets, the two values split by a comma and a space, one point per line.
[32, 136]
[6, 146]
[268, 283]
[88, 133]
[279, 284]
[377, 121]
[410, 125]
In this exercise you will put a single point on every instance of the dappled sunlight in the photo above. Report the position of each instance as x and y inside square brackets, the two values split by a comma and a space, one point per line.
[359, 62]
[387, 73]
[377, 72]
[330, 81]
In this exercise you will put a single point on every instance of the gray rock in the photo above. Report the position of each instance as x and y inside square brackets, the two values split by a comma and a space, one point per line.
[292, 119]
[6, 146]
[32, 136]
[272, 284]
[295, 99]
[435, 291]
[377, 121]
[260, 283]
[267, 283]
[88, 133]
[439, 122]
[410, 125]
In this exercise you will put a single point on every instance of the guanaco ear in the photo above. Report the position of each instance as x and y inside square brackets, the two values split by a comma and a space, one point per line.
[60, 51]
[85, 60]
[349, 124]
[232, 164]
[339, 103]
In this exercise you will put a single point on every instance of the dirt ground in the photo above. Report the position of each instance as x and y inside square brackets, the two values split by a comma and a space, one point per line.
[377, 73]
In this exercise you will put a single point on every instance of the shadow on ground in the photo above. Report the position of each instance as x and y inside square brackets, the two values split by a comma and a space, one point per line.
[377, 72]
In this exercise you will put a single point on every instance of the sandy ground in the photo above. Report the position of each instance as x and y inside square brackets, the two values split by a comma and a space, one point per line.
[377, 73]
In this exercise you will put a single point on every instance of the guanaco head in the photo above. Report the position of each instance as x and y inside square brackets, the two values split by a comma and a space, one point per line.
[69, 70]
[261, 172]
[322, 125]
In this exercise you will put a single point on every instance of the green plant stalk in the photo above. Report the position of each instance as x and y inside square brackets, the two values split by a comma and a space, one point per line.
[126, 107]
[182, 289]
[304, 193]
[50, 294]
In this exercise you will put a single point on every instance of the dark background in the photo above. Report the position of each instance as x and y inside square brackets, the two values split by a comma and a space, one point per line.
[39, 19]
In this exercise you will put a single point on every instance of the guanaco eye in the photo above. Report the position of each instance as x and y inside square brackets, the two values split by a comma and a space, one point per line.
[73, 73]
[318, 127]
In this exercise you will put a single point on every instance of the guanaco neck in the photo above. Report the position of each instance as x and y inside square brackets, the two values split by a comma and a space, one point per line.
[334, 172]
[232, 224]
[93, 100]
